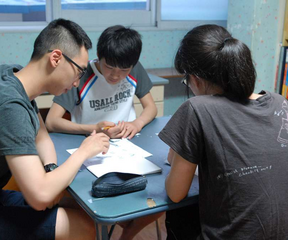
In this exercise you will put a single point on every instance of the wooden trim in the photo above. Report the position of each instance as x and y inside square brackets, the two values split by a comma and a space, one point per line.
[165, 72]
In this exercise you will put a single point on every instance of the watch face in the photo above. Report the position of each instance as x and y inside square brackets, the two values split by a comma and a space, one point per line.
[50, 167]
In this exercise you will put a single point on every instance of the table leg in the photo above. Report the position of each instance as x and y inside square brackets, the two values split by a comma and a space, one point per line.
[105, 232]
[159, 237]
[97, 231]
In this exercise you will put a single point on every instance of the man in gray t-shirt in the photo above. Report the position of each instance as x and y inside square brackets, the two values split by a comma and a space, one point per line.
[26, 150]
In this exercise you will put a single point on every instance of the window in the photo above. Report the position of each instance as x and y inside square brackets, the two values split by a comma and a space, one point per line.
[192, 12]
[22, 11]
[105, 5]
[87, 13]
[99, 14]
[104, 13]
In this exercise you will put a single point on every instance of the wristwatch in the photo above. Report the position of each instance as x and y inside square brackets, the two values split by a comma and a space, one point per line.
[50, 167]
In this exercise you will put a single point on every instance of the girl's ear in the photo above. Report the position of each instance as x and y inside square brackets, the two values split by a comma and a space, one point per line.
[195, 81]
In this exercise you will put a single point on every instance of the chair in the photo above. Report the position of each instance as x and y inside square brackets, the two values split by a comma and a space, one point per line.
[11, 185]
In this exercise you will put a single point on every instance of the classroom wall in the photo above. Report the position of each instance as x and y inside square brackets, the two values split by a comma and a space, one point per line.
[159, 47]
[258, 23]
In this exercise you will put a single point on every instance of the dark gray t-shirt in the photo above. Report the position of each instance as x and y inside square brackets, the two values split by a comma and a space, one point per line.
[242, 154]
[19, 122]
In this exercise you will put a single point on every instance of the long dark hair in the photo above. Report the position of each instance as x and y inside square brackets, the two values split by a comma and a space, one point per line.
[211, 53]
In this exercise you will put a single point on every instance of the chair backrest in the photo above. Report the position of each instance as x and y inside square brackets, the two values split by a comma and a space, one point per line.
[11, 185]
[44, 112]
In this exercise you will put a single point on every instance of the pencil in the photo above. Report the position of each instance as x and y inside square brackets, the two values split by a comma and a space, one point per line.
[106, 128]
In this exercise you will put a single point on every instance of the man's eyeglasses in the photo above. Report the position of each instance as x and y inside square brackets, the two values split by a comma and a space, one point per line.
[82, 71]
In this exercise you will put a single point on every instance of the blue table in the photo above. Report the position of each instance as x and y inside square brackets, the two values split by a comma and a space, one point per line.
[108, 211]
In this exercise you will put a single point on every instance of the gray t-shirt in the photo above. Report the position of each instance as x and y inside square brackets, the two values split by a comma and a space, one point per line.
[19, 122]
[97, 100]
[242, 154]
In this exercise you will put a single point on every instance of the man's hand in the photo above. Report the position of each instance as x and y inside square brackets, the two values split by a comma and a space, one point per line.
[94, 144]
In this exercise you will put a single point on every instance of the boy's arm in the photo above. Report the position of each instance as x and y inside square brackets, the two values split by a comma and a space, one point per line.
[148, 114]
[56, 123]
[180, 178]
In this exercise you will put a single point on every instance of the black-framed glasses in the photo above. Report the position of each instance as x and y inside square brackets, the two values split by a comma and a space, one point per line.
[82, 70]
[185, 81]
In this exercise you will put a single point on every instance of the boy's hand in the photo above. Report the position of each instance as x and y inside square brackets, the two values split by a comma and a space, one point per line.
[131, 128]
[94, 144]
[117, 131]
[104, 125]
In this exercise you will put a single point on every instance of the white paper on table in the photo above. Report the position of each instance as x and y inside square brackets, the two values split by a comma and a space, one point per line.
[136, 165]
[120, 148]
[123, 156]
[129, 148]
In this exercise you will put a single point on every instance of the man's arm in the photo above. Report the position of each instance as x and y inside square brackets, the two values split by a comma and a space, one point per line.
[148, 114]
[56, 123]
[39, 188]
[179, 179]
[44, 144]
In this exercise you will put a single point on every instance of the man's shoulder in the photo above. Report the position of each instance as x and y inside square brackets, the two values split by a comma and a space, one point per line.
[5, 67]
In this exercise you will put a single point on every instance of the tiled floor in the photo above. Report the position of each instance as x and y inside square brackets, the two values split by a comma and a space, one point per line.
[148, 233]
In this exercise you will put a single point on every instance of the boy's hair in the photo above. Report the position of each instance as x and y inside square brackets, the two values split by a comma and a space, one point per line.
[120, 46]
[209, 52]
[62, 34]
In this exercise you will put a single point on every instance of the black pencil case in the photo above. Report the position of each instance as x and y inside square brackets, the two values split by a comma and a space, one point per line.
[112, 184]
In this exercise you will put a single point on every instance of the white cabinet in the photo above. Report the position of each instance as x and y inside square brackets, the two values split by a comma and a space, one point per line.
[157, 93]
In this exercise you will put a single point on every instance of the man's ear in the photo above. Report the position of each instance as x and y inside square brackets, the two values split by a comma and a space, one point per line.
[55, 57]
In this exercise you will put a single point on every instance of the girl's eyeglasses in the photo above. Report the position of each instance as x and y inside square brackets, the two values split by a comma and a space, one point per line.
[185, 81]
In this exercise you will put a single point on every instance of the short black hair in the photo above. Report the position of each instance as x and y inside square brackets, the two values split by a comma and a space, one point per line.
[120, 46]
[62, 34]
[211, 53]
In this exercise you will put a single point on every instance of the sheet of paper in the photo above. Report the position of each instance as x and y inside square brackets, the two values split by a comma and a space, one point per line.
[136, 165]
[123, 156]
[121, 148]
